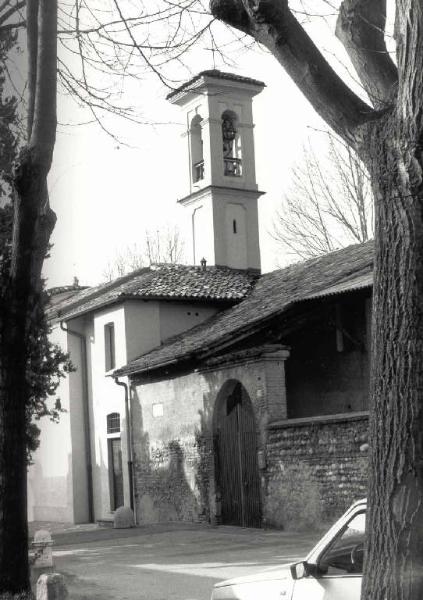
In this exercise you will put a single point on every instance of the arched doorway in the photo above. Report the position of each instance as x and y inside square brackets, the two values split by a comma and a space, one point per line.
[237, 475]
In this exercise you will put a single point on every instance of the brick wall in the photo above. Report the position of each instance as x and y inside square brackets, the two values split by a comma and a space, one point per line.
[173, 426]
[315, 469]
[166, 486]
[168, 442]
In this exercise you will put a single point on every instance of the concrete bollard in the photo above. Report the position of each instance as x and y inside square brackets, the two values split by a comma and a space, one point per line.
[51, 586]
[123, 518]
[43, 549]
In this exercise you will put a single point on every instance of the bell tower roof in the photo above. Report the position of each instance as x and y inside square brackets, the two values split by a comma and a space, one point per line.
[208, 78]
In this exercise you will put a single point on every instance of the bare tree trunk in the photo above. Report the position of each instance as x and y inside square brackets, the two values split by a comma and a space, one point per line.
[388, 136]
[33, 224]
[394, 564]
[14, 574]
[19, 303]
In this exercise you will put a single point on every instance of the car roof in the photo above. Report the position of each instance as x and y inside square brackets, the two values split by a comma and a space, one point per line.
[358, 503]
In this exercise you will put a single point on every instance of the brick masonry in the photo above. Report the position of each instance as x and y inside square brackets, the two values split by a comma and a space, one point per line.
[316, 468]
[310, 469]
[173, 427]
[167, 440]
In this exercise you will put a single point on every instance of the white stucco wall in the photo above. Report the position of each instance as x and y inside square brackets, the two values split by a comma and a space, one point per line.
[106, 398]
[148, 324]
[142, 327]
[77, 412]
[213, 212]
[59, 478]
[176, 317]
[236, 236]
[242, 249]
[214, 201]
[222, 96]
[202, 232]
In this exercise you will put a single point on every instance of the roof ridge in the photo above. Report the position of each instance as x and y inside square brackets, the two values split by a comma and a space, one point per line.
[324, 257]
[216, 73]
[58, 289]
[97, 290]
[167, 281]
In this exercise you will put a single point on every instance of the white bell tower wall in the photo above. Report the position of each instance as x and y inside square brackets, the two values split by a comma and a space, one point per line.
[222, 190]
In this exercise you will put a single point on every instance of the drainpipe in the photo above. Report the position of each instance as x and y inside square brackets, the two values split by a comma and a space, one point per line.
[86, 408]
[128, 444]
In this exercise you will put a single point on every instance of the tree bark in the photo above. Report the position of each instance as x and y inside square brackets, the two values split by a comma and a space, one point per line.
[33, 224]
[271, 23]
[19, 302]
[394, 562]
[394, 566]
[361, 27]
[390, 142]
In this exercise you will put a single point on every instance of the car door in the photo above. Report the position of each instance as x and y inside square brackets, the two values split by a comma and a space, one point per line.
[338, 570]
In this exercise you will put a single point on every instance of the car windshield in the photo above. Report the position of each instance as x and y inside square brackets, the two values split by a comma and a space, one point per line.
[346, 553]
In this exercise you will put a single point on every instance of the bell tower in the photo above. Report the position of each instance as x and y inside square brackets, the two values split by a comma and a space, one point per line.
[222, 192]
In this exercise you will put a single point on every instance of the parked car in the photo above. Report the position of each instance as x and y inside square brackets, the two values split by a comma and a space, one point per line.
[332, 570]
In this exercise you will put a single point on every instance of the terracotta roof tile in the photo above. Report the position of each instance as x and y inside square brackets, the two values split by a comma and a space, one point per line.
[216, 74]
[164, 281]
[272, 295]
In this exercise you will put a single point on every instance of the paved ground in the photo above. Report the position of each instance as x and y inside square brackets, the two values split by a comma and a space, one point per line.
[167, 562]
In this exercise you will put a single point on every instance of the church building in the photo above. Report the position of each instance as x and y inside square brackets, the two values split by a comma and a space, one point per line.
[211, 392]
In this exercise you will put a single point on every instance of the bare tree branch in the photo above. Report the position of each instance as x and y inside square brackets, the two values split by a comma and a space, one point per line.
[272, 23]
[164, 246]
[13, 26]
[43, 132]
[409, 20]
[32, 46]
[361, 28]
[11, 11]
[325, 210]
[161, 246]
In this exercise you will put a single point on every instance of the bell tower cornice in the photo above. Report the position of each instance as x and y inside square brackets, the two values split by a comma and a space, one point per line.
[190, 198]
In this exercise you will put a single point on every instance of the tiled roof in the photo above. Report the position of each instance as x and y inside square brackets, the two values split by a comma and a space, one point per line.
[362, 280]
[60, 295]
[346, 269]
[215, 73]
[165, 282]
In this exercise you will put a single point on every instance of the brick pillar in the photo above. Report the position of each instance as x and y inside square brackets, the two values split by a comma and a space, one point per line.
[274, 357]
[269, 400]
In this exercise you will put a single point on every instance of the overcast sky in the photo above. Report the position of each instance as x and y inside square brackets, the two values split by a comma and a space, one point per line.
[107, 194]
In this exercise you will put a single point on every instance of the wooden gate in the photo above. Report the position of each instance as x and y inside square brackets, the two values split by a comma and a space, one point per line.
[236, 460]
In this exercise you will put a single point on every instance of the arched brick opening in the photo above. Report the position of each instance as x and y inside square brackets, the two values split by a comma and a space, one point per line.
[235, 453]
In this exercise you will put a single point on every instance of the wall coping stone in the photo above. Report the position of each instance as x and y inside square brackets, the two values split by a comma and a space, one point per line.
[264, 353]
[319, 420]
